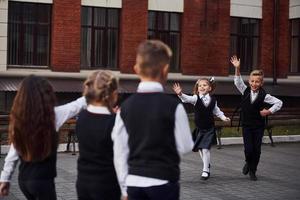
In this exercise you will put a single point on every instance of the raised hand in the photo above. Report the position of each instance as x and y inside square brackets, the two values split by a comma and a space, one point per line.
[235, 61]
[177, 89]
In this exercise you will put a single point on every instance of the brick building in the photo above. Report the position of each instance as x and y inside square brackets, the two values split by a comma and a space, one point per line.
[64, 40]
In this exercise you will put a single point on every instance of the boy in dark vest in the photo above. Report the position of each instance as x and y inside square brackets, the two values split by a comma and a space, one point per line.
[151, 131]
[252, 115]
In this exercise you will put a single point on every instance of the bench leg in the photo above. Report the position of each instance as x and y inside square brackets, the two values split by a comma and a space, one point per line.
[269, 130]
[219, 134]
[68, 142]
[73, 141]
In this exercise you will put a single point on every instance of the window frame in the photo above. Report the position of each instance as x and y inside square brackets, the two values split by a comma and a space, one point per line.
[247, 64]
[291, 40]
[157, 31]
[21, 36]
[106, 29]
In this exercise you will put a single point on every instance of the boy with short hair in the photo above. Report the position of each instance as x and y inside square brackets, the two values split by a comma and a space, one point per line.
[252, 115]
[151, 131]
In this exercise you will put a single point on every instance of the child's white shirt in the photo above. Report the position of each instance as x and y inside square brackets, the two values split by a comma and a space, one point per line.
[206, 100]
[275, 102]
[183, 139]
[62, 114]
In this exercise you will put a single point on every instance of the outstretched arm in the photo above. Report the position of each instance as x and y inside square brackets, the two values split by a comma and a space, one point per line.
[183, 97]
[10, 164]
[69, 110]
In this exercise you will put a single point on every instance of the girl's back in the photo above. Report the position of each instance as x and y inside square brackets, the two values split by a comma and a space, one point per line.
[95, 146]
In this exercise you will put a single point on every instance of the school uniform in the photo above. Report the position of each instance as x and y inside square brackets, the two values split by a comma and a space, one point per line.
[36, 179]
[150, 134]
[205, 107]
[95, 162]
[253, 124]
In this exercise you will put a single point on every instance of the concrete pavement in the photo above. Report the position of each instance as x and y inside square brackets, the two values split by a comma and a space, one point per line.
[278, 175]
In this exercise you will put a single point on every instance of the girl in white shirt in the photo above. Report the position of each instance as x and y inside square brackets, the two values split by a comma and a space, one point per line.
[34, 123]
[205, 109]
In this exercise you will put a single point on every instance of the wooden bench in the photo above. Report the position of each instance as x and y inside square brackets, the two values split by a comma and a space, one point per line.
[68, 127]
[4, 121]
[284, 117]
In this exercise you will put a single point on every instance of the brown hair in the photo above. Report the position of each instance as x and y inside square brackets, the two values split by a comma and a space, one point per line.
[154, 55]
[211, 82]
[258, 72]
[32, 119]
[99, 86]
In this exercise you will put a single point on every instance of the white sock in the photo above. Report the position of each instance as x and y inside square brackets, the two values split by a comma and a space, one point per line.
[206, 159]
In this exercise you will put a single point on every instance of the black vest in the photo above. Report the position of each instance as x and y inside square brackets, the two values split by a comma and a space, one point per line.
[204, 117]
[95, 160]
[250, 113]
[149, 119]
[40, 170]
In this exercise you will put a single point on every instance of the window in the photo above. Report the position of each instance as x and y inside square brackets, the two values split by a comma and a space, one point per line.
[295, 46]
[165, 26]
[99, 37]
[244, 38]
[28, 33]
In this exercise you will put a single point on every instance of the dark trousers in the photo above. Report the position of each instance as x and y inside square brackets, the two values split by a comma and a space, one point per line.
[169, 191]
[252, 146]
[38, 189]
[93, 190]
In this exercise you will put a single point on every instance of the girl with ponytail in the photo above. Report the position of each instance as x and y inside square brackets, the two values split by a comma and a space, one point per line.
[205, 108]
[96, 174]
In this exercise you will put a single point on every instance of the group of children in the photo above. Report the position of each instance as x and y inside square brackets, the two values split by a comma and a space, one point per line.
[135, 152]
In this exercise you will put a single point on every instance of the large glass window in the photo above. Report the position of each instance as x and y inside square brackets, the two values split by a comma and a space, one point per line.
[295, 46]
[99, 37]
[244, 38]
[28, 33]
[165, 26]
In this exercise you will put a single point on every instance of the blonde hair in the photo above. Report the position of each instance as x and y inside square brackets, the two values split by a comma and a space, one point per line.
[211, 82]
[99, 86]
[154, 55]
[257, 72]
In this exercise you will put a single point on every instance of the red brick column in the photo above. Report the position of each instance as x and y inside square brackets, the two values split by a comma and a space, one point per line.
[133, 30]
[65, 37]
[267, 45]
[283, 63]
[266, 39]
[205, 37]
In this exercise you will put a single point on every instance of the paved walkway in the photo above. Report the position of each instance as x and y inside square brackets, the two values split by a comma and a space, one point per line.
[278, 176]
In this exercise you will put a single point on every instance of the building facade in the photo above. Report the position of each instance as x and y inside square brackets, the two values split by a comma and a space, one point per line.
[65, 39]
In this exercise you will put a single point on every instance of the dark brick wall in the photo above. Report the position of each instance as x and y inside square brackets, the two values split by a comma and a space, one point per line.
[267, 45]
[65, 38]
[133, 30]
[205, 37]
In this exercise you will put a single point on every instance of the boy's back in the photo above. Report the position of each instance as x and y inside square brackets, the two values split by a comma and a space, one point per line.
[150, 120]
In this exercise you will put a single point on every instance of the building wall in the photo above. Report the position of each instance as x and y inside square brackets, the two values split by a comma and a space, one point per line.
[294, 11]
[3, 34]
[246, 8]
[205, 32]
[205, 39]
[65, 37]
[267, 36]
[133, 30]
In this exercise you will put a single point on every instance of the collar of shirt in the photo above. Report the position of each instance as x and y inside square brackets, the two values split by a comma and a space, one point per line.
[150, 87]
[98, 109]
[206, 96]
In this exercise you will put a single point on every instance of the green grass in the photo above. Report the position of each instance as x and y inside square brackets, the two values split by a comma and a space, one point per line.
[280, 130]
